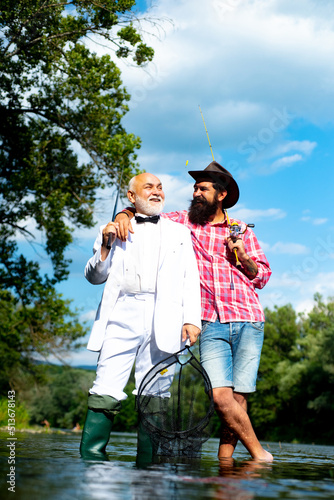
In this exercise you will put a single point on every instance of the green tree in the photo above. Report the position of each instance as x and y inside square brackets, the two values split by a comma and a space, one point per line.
[307, 382]
[296, 376]
[61, 399]
[57, 97]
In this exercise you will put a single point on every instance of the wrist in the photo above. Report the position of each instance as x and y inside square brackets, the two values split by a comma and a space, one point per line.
[123, 212]
[129, 211]
[244, 258]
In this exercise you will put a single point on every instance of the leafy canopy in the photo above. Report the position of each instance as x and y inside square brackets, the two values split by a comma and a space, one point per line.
[61, 139]
[58, 97]
[294, 400]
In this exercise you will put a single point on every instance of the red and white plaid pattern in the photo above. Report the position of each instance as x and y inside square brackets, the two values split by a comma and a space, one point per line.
[226, 292]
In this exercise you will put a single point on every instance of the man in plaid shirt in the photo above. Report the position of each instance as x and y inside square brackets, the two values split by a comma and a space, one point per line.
[232, 317]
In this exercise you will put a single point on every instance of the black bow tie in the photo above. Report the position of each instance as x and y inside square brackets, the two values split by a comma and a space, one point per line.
[153, 218]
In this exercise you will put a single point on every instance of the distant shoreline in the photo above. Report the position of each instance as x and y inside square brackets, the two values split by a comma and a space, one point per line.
[44, 430]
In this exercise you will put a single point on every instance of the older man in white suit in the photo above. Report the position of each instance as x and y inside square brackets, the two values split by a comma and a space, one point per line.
[150, 306]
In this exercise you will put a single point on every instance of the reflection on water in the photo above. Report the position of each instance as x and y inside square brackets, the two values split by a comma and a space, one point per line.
[48, 466]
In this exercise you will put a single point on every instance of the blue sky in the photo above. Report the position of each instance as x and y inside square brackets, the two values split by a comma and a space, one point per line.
[263, 73]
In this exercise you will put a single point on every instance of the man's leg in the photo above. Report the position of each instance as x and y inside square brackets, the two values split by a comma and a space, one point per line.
[148, 355]
[121, 342]
[233, 415]
[230, 353]
[246, 341]
[228, 439]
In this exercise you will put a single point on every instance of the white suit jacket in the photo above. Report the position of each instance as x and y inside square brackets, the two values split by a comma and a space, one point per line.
[178, 296]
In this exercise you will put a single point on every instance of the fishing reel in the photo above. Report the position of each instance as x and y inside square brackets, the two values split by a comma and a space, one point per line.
[236, 230]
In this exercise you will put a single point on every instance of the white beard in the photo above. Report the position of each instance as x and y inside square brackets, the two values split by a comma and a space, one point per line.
[147, 207]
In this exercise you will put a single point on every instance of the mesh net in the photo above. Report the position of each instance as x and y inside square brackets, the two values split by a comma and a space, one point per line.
[175, 405]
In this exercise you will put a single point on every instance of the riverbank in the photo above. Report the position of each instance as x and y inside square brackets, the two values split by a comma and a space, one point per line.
[37, 429]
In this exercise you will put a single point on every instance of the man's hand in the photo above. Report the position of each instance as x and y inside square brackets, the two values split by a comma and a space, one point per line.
[248, 265]
[237, 244]
[124, 225]
[109, 231]
[190, 332]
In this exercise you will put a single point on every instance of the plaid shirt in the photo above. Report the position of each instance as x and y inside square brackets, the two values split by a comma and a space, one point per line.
[226, 292]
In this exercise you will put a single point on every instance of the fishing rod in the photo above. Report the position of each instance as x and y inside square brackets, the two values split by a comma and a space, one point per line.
[115, 207]
[207, 134]
[235, 228]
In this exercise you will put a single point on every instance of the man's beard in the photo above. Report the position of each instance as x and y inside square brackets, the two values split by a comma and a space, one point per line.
[201, 210]
[146, 207]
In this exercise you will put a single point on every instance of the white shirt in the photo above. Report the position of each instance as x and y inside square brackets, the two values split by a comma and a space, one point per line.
[141, 267]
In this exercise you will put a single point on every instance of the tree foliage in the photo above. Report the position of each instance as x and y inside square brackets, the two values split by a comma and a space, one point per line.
[56, 93]
[296, 378]
[59, 102]
[61, 398]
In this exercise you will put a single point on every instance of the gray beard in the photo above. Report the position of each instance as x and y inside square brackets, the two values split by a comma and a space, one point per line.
[148, 208]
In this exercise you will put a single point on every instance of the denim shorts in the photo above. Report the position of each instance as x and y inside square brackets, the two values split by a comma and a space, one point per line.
[230, 353]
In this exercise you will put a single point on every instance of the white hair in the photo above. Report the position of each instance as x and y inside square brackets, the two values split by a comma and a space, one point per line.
[132, 183]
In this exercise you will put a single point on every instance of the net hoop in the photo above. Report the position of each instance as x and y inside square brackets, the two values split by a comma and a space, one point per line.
[175, 434]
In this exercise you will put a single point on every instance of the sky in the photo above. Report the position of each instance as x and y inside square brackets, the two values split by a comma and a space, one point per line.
[262, 72]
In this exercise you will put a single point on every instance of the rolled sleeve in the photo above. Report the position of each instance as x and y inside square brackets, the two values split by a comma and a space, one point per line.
[263, 275]
[96, 270]
[256, 253]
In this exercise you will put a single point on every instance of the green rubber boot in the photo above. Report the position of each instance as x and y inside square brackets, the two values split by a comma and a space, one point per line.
[146, 448]
[147, 444]
[98, 424]
[95, 435]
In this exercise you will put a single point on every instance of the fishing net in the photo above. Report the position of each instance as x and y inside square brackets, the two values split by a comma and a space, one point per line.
[175, 405]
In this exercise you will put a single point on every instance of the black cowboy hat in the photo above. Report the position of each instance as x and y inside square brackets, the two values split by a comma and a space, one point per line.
[218, 174]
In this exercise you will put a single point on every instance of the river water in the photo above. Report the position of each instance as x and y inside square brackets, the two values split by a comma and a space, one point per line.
[48, 466]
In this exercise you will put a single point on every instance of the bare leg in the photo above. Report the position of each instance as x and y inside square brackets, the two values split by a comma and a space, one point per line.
[228, 440]
[236, 419]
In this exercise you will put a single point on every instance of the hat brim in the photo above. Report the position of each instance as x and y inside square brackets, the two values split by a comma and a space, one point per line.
[226, 181]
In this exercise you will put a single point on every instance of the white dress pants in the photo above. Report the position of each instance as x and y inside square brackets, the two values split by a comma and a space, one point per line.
[129, 337]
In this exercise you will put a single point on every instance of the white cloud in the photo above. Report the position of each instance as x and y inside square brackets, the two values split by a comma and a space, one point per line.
[84, 358]
[302, 149]
[243, 213]
[178, 193]
[88, 316]
[240, 62]
[284, 162]
[81, 357]
[319, 221]
[276, 50]
[305, 306]
[305, 147]
[296, 290]
[288, 248]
